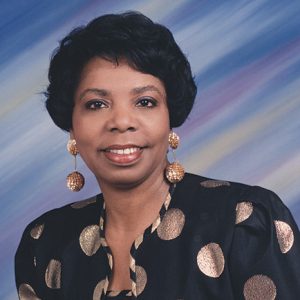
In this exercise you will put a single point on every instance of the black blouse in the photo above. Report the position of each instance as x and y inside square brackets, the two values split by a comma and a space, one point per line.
[211, 240]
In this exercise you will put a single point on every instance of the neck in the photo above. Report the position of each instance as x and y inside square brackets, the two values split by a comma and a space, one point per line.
[131, 211]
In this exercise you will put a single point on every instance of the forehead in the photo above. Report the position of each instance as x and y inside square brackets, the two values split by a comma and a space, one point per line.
[102, 73]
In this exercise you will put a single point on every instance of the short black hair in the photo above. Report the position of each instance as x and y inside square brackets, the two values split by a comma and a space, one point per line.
[146, 46]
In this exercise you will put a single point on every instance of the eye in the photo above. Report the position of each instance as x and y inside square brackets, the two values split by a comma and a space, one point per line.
[146, 102]
[95, 104]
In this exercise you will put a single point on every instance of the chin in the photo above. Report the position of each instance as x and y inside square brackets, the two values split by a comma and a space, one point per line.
[126, 182]
[125, 179]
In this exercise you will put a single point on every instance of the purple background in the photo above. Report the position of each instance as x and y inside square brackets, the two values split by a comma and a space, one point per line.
[245, 125]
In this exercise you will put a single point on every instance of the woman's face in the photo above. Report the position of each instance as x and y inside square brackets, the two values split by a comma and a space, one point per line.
[121, 123]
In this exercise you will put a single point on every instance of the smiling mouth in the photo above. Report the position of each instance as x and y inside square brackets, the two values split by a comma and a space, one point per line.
[123, 154]
[124, 151]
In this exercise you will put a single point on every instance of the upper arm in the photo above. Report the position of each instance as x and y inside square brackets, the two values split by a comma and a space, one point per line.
[264, 257]
[25, 273]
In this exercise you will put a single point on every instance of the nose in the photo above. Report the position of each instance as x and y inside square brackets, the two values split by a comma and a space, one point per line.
[122, 119]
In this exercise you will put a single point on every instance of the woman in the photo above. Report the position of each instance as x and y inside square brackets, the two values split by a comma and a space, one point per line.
[119, 85]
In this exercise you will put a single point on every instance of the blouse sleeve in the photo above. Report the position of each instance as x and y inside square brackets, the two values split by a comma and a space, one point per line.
[264, 259]
[25, 272]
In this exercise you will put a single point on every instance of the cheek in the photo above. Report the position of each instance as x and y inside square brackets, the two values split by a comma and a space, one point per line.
[83, 131]
[164, 126]
[161, 129]
[161, 133]
[160, 118]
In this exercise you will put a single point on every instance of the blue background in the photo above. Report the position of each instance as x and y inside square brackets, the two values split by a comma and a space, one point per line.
[245, 125]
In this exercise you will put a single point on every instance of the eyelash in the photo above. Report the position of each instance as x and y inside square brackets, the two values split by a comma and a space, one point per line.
[150, 101]
[98, 104]
[95, 104]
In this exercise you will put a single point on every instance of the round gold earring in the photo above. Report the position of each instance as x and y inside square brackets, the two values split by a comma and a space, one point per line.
[174, 171]
[75, 180]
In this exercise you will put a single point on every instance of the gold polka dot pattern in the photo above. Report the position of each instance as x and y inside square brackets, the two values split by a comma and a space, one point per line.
[171, 224]
[214, 183]
[99, 289]
[53, 274]
[210, 260]
[141, 279]
[89, 240]
[26, 292]
[285, 236]
[243, 211]
[37, 231]
[83, 203]
[259, 287]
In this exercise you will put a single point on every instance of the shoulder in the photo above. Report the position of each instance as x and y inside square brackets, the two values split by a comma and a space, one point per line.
[223, 192]
[232, 203]
[61, 222]
[214, 194]
[198, 185]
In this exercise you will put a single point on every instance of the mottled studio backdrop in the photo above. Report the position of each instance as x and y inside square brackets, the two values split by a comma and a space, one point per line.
[245, 125]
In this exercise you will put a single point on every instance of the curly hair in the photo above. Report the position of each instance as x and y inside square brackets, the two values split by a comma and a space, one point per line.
[146, 46]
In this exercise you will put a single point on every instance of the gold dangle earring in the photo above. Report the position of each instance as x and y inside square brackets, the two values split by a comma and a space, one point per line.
[174, 170]
[75, 180]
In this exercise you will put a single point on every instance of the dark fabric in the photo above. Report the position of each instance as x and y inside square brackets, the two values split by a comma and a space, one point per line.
[215, 240]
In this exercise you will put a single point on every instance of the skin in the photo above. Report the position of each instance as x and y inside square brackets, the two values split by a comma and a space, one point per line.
[117, 108]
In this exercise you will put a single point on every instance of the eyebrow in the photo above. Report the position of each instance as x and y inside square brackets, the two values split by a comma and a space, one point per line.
[99, 92]
[134, 91]
[142, 89]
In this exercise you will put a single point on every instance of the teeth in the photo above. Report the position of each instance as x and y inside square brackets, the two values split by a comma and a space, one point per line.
[123, 151]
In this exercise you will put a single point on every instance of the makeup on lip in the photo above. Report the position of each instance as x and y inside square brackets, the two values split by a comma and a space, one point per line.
[123, 154]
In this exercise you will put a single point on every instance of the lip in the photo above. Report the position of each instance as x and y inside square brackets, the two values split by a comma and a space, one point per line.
[123, 154]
